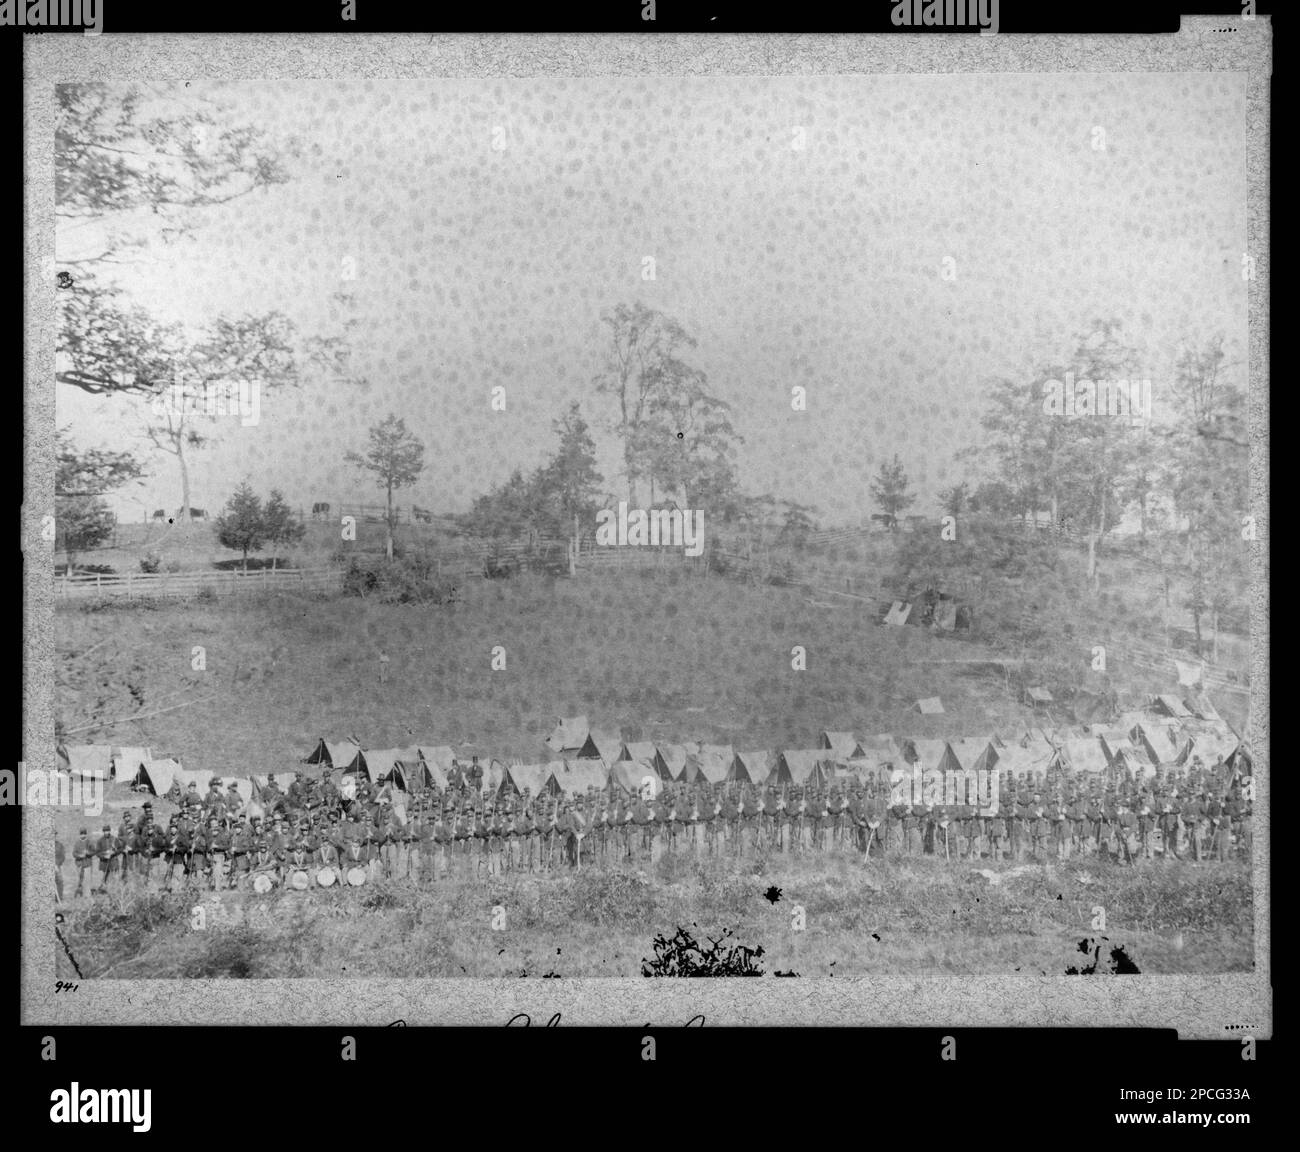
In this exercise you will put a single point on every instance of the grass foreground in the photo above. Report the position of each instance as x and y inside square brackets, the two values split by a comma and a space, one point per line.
[893, 917]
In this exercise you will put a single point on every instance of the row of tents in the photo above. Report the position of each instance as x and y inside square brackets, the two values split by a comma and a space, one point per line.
[1169, 733]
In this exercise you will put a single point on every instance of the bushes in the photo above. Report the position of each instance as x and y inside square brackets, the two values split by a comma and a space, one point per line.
[150, 562]
[402, 580]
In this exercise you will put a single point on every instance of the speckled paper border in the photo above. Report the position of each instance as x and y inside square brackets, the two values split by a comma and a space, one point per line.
[1199, 1007]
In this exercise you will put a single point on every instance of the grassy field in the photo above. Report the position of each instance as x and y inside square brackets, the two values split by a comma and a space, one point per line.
[883, 917]
[655, 655]
[659, 657]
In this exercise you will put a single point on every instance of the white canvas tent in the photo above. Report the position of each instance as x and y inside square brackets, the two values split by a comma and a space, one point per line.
[156, 776]
[569, 735]
[342, 755]
[1016, 760]
[670, 759]
[752, 767]
[709, 764]
[128, 761]
[630, 775]
[802, 767]
[1213, 748]
[607, 746]
[526, 777]
[1122, 753]
[638, 750]
[573, 777]
[1084, 755]
[898, 613]
[199, 777]
[932, 754]
[90, 761]
[976, 753]
[1171, 706]
[930, 706]
[843, 745]
[380, 762]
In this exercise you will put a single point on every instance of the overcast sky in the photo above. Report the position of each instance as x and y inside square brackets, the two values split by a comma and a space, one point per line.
[818, 265]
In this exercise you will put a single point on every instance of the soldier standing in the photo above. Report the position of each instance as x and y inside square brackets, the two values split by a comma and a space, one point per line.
[59, 857]
[218, 854]
[83, 857]
[241, 849]
[108, 849]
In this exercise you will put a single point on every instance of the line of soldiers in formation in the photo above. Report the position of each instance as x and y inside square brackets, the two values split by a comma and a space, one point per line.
[213, 841]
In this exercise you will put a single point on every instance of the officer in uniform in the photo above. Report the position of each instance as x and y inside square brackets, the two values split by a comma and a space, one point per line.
[1221, 825]
[329, 792]
[234, 802]
[191, 799]
[106, 850]
[159, 843]
[214, 807]
[198, 862]
[995, 825]
[218, 855]
[1128, 829]
[60, 855]
[1094, 817]
[83, 856]
[178, 850]
[297, 790]
[241, 848]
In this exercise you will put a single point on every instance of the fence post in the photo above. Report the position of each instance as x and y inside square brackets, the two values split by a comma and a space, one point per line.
[97, 582]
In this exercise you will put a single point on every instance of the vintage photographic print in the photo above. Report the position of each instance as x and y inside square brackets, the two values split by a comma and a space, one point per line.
[652, 525]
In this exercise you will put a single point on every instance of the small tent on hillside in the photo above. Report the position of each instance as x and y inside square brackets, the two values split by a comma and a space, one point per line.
[1202, 709]
[569, 736]
[1015, 760]
[440, 761]
[976, 753]
[1161, 742]
[409, 772]
[1170, 706]
[199, 777]
[931, 754]
[525, 777]
[156, 776]
[1084, 756]
[882, 746]
[607, 746]
[574, 777]
[1121, 753]
[342, 755]
[708, 765]
[750, 767]
[90, 761]
[630, 775]
[1213, 748]
[128, 761]
[638, 750]
[843, 745]
[802, 768]
[382, 761]
[897, 614]
[670, 759]
[930, 706]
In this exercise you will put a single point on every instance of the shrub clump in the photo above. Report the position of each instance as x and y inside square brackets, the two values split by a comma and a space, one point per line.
[402, 580]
